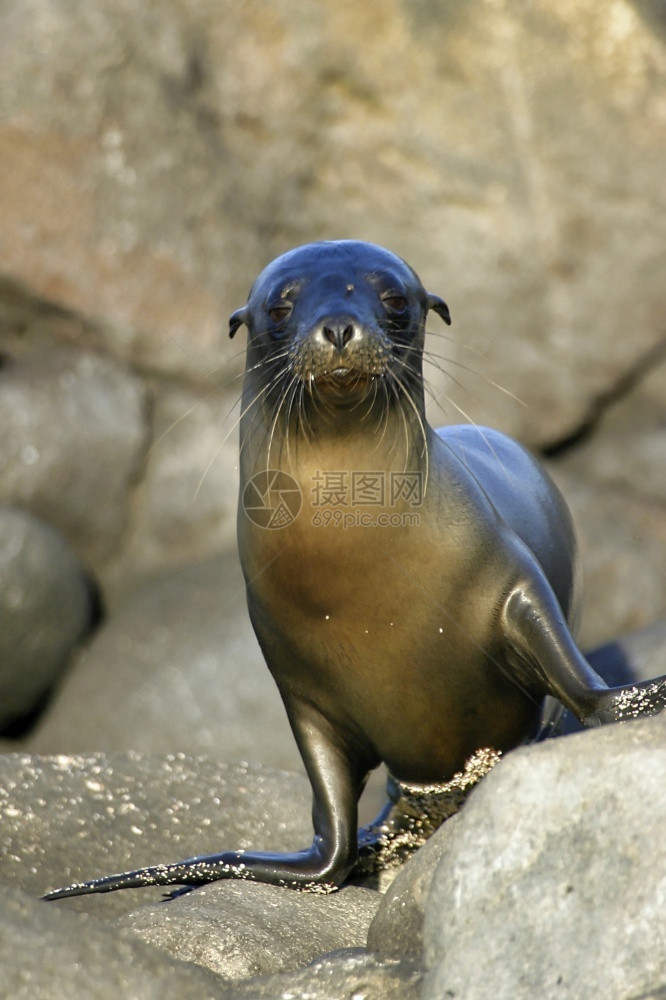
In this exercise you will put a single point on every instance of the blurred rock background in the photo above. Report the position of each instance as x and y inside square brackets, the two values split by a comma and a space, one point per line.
[154, 156]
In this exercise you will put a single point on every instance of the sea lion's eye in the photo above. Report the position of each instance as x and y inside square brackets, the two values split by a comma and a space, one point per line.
[396, 303]
[279, 314]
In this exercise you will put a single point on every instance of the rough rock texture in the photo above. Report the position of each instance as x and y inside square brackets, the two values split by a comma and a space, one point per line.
[62, 817]
[352, 974]
[177, 668]
[239, 930]
[49, 954]
[514, 159]
[397, 927]
[615, 485]
[72, 442]
[46, 606]
[65, 818]
[554, 883]
[185, 506]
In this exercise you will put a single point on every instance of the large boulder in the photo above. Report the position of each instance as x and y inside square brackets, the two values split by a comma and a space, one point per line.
[46, 606]
[66, 817]
[553, 886]
[74, 432]
[240, 930]
[48, 954]
[176, 668]
[515, 160]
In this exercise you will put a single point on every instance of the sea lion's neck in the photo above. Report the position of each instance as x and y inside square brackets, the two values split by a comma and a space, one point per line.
[329, 434]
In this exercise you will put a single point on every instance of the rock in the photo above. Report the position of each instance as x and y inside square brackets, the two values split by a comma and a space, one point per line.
[62, 817]
[614, 484]
[352, 974]
[626, 451]
[50, 954]
[186, 503]
[46, 606]
[238, 929]
[638, 656]
[197, 141]
[622, 542]
[73, 437]
[176, 668]
[71, 817]
[553, 884]
[397, 927]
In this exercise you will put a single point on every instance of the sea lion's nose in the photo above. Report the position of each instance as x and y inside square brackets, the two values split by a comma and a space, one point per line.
[338, 330]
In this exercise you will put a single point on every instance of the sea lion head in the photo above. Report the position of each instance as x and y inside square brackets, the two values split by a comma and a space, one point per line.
[336, 317]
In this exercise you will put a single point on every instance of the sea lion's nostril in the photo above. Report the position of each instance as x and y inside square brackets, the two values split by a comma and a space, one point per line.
[338, 334]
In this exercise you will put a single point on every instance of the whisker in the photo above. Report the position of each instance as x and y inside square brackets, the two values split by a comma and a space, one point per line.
[407, 396]
[265, 389]
[510, 479]
[281, 403]
[182, 417]
[430, 355]
[405, 424]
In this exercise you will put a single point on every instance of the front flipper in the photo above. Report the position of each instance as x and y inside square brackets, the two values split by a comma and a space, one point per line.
[193, 871]
[545, 658]
[337, 782]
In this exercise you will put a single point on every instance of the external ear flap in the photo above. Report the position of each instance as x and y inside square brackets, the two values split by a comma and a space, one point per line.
[237, 319]
[440, 307]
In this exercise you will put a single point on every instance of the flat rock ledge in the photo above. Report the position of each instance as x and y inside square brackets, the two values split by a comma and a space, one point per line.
[549, 883]
[554, 883]
[65, 818]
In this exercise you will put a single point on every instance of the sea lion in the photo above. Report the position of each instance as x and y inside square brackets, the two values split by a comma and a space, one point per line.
[417, 604]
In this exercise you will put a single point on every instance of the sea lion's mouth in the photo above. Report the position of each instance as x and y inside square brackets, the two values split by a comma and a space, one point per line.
[343, 379]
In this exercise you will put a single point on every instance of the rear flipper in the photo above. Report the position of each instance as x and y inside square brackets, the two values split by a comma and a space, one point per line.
[629, 702]
[545, 659]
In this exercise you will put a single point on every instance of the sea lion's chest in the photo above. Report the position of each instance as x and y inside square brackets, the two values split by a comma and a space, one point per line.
[338, 600]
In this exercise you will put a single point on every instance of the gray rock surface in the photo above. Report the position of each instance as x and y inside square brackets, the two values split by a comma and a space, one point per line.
[73, 438]
[615, 485]
[62, 817]
[639, 655]
[185, 505]
[176, 668]
[553, 885]
[65, 818]
[397, 927]
[519, 150]
[238, 929]
[50, 954]
[45, 608]
[352, 974]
